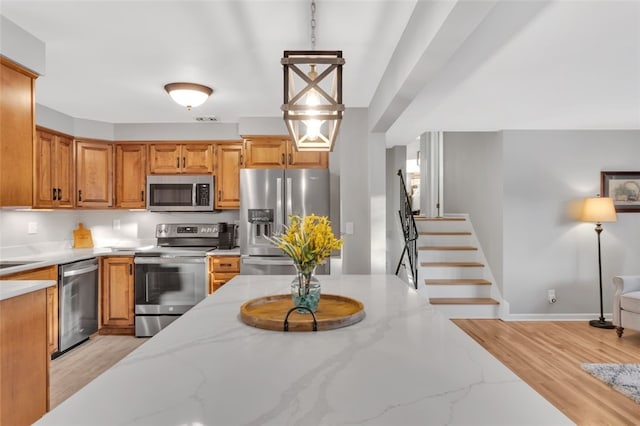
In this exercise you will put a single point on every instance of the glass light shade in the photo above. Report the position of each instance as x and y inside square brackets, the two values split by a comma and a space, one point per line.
[313, 108]
[598, 209]
[188, 94]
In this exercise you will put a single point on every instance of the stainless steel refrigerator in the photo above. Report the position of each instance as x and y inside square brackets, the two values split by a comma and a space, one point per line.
[267, 198]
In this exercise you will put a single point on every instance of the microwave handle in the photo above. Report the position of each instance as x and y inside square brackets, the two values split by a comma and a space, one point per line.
[194, 192]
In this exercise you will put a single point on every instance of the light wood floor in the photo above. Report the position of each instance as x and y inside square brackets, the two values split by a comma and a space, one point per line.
[547, 355]
[72, 371]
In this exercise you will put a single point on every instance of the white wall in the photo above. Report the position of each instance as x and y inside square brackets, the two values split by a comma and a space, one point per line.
[377, 202]
[396, 160]
[545, 172]
[545, 175]
[473, 185]
[354, 190]
[22, 47]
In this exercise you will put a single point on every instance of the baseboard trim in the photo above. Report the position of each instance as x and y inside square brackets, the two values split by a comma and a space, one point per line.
[554, 317]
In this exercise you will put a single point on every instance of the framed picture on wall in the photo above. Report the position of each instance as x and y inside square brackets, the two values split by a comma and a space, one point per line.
[623, 188]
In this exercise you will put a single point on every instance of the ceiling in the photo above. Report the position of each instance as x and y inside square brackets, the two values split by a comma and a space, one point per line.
[493, 65]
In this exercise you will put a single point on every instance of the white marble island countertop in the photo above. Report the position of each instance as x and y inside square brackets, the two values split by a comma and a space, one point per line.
[403, 364]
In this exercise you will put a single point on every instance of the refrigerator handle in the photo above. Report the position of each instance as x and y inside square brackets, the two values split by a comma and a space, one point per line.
[278, 219]
[289, 206]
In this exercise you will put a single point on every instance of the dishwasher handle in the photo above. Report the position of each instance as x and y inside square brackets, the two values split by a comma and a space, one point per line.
[80, 271]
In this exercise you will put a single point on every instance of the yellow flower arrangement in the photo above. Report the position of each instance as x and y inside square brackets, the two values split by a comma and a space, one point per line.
[308, 241]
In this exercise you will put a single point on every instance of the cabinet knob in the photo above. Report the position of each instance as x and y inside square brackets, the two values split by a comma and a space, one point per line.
[141, 195]
[183, 162]
[177, 162]
[240, 159]
[282, 160]
[59, 194]
[219, 195]
[130, 269]
[79, 195]
[54, 194]
[290, 159]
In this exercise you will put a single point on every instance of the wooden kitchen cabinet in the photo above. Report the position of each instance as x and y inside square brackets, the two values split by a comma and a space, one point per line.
[189, 158]
[278, 152]
[221, 270]
[24, 358]
[17, 131]
[229, 158]
[131, 175]
[117, 295]
[94, 174]
[46, 273]
[54, 170]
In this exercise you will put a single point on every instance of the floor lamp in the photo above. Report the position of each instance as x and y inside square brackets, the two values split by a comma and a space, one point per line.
[598, 210]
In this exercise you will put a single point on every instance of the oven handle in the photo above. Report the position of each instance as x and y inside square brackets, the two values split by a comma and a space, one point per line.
[166, 260]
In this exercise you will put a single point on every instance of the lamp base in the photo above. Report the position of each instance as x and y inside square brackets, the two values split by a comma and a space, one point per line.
[601, 324]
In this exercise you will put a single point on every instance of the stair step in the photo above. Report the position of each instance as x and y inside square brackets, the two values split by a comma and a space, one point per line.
[443, 233]
[455, 248]
[439, 219]
[457, 281]
[452, 264]
[463, 301]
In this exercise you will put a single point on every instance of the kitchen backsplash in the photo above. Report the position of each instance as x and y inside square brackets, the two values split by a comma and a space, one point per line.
[44, 230]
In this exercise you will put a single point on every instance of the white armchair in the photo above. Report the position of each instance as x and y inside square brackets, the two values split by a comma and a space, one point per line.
[626, 303]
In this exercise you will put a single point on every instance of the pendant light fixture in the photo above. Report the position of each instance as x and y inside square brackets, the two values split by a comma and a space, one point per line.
[188, 94]
[313, 108]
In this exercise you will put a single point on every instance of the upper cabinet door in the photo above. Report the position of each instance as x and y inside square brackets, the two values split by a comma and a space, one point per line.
[53, 170]
[269, 152]
[17, 129]
[45, 194]
[64, 171]
[265, 153]
[171, 159]
[197, 158]
[306, 159]
[229, 160]
[94, 170]
[131, 176]
[164, 158]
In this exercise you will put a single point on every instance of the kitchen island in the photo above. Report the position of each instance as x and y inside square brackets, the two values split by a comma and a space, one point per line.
[403, 364]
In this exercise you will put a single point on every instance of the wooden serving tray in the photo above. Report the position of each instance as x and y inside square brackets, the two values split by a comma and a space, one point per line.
[333, 312]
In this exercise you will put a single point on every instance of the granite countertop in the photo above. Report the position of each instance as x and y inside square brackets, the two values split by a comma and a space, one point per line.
[405, 363]
[11, 288]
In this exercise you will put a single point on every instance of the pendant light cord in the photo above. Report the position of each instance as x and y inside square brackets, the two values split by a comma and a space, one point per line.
[313, 24]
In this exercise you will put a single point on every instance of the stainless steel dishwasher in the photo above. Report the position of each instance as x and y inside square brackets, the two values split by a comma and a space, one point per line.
[78, 303]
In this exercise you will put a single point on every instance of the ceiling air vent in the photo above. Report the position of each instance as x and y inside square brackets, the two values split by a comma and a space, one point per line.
[210, 118]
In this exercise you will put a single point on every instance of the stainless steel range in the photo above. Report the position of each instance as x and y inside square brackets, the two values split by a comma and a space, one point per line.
[171, 278]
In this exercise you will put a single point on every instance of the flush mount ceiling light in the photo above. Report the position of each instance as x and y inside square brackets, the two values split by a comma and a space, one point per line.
[188, 94]
[313, 112]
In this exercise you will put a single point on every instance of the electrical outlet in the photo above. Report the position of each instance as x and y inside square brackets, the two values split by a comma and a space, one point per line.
[348, 228]
[551, 296]
[32, 228]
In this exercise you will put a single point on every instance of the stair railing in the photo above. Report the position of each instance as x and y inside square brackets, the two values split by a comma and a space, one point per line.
[410, 232]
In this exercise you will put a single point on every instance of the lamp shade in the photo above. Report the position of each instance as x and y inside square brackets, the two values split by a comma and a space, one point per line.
[188, 94]
[598, 209]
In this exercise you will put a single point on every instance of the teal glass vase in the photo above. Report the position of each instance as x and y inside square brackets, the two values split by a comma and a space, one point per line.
[305, 288]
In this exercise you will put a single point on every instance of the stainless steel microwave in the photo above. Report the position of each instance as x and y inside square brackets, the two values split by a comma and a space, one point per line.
[180, 193]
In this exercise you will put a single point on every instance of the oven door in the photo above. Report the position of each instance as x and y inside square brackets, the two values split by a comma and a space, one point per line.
[169, 285]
